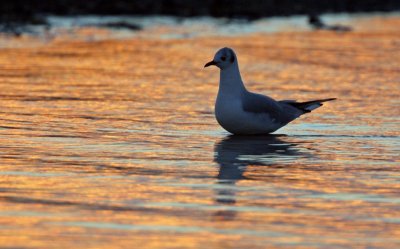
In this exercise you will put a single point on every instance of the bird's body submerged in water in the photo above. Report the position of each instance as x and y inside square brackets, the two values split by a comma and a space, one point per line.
[242, 112]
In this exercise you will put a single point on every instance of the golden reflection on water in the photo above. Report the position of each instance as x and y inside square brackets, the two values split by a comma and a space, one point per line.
[113, 144]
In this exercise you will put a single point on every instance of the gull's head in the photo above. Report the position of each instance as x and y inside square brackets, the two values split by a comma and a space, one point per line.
[224, 58]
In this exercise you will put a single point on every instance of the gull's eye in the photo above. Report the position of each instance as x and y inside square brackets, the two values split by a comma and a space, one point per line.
[223, 58]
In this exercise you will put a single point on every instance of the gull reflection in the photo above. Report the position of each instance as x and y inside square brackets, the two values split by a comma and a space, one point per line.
[234, 153]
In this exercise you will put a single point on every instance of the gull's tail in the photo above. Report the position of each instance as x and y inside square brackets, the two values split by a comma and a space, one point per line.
[308, 106]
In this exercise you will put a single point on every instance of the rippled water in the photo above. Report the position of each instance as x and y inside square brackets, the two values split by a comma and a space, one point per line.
[113, 144]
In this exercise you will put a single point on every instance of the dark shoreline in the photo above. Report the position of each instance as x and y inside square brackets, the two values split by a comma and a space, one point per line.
[16, 15]
[24, 11]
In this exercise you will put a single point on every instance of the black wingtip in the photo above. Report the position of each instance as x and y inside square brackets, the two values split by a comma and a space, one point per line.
[325, 100]
[308, 106]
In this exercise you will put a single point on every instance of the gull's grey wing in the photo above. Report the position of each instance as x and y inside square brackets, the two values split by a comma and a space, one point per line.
[280, 111]
[257, 103]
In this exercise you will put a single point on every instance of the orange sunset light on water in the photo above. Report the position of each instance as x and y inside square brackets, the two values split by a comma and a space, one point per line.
[114, 144]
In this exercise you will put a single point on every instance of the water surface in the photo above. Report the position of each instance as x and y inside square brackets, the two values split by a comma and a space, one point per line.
[113, 143]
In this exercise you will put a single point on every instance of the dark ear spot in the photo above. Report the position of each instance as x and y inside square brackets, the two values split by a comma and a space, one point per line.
[232, 55]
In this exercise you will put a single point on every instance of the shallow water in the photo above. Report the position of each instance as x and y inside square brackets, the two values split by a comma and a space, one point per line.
[113, 143]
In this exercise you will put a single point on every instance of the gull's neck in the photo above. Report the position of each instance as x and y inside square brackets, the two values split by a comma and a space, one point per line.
[230, 81]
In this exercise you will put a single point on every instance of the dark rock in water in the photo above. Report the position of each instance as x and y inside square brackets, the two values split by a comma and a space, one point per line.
[316, 22]
[120, 25]
[14, 19]
[16, 24]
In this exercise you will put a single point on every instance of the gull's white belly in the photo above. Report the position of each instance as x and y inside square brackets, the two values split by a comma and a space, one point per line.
[231, 116]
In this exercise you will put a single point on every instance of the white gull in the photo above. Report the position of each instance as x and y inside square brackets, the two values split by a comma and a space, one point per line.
[242, 112]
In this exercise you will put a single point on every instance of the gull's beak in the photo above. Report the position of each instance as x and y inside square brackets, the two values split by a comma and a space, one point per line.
[211, 63]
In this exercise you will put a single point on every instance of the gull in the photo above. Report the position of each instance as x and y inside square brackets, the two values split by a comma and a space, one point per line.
[242, 112]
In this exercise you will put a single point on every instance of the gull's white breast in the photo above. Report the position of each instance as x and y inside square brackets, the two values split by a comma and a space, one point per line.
[231, 116]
